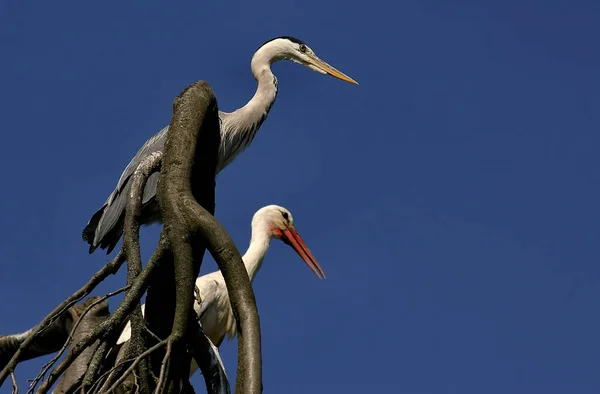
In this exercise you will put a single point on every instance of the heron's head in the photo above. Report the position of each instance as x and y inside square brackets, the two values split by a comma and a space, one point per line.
[290, 48]
[277, 222]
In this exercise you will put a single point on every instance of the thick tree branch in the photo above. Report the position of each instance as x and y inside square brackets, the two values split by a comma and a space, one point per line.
[131, 247]
[195, 110]
[191, 153]
[186, 198]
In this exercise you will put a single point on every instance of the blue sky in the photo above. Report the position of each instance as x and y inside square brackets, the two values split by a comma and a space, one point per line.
[451, 198]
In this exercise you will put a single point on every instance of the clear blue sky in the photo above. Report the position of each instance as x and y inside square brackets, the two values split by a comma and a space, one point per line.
[452, 198]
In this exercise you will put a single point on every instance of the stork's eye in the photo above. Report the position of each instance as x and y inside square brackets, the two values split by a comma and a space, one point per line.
[302, 48]
[285, 215]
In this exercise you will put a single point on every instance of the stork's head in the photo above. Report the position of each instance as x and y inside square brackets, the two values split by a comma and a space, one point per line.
[278, 223]
[290, 48]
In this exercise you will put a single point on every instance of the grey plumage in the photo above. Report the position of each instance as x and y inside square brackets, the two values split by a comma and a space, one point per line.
[238, 129]
[106, 226]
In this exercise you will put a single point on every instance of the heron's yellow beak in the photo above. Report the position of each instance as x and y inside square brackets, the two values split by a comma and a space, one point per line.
[322, 67]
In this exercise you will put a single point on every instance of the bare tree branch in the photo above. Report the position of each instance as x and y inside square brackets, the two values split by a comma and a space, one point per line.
[48, 341]
[183, 216]
[162, 378]
[108, 329]
[186, 191]
[15, 386]
[98, 277]
[95, 313]
[135, 363]
[100, 306]
[131, 247]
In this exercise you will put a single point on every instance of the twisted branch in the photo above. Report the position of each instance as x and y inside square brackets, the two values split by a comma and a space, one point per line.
[187, 208]
[110, 268]
[135, 363]
[90, 303]
[107, 330]
[195, 109]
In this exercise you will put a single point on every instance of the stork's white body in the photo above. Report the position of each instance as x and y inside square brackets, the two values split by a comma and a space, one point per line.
[214, 311]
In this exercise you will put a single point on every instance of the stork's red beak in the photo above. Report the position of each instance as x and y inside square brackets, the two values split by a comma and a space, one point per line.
[291, 237]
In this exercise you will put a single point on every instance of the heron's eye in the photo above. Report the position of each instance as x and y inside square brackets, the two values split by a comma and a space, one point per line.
[302, 48]
[285, 215]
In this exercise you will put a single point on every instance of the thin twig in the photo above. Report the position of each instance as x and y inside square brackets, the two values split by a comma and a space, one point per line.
[50, 363]
[110, 268]
[100, 382]
[153, 335]
[96, 363]
[15, 386]
[162, 379]
[135, 363]
[109, 327]
[93, 388]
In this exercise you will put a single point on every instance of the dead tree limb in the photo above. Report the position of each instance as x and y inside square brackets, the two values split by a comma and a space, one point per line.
[195, 109]
[186, 192]
[48, 341]
[131, 247]
[134, 364]
[15, 386]
[107, 331]
[110, 268]
[95, 313]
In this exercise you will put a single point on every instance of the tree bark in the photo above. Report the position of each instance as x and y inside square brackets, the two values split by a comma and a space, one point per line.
[188, 171]
[186, 195]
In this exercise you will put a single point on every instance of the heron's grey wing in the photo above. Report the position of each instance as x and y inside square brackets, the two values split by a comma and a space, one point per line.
[114, 207]
[150, 188]
[156, 143]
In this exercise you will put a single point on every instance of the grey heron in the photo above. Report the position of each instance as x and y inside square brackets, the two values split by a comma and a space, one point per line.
[238, 129]
[215, 313]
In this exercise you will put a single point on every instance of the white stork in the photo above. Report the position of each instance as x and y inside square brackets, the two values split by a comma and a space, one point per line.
[215, 313]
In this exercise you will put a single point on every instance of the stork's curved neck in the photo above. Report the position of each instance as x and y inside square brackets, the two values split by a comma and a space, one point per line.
[254, 256]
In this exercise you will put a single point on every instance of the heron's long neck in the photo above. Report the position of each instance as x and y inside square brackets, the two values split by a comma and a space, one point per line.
[253, 258]
[239, 128]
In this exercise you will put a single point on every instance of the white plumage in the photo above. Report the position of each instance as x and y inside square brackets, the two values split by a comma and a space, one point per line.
[216, 315]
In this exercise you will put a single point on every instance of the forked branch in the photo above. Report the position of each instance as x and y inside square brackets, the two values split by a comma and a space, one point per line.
[191, 156]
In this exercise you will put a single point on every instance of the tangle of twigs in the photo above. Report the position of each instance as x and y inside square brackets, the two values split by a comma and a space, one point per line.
[110, 268]
[50, 363]
[135, 363]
